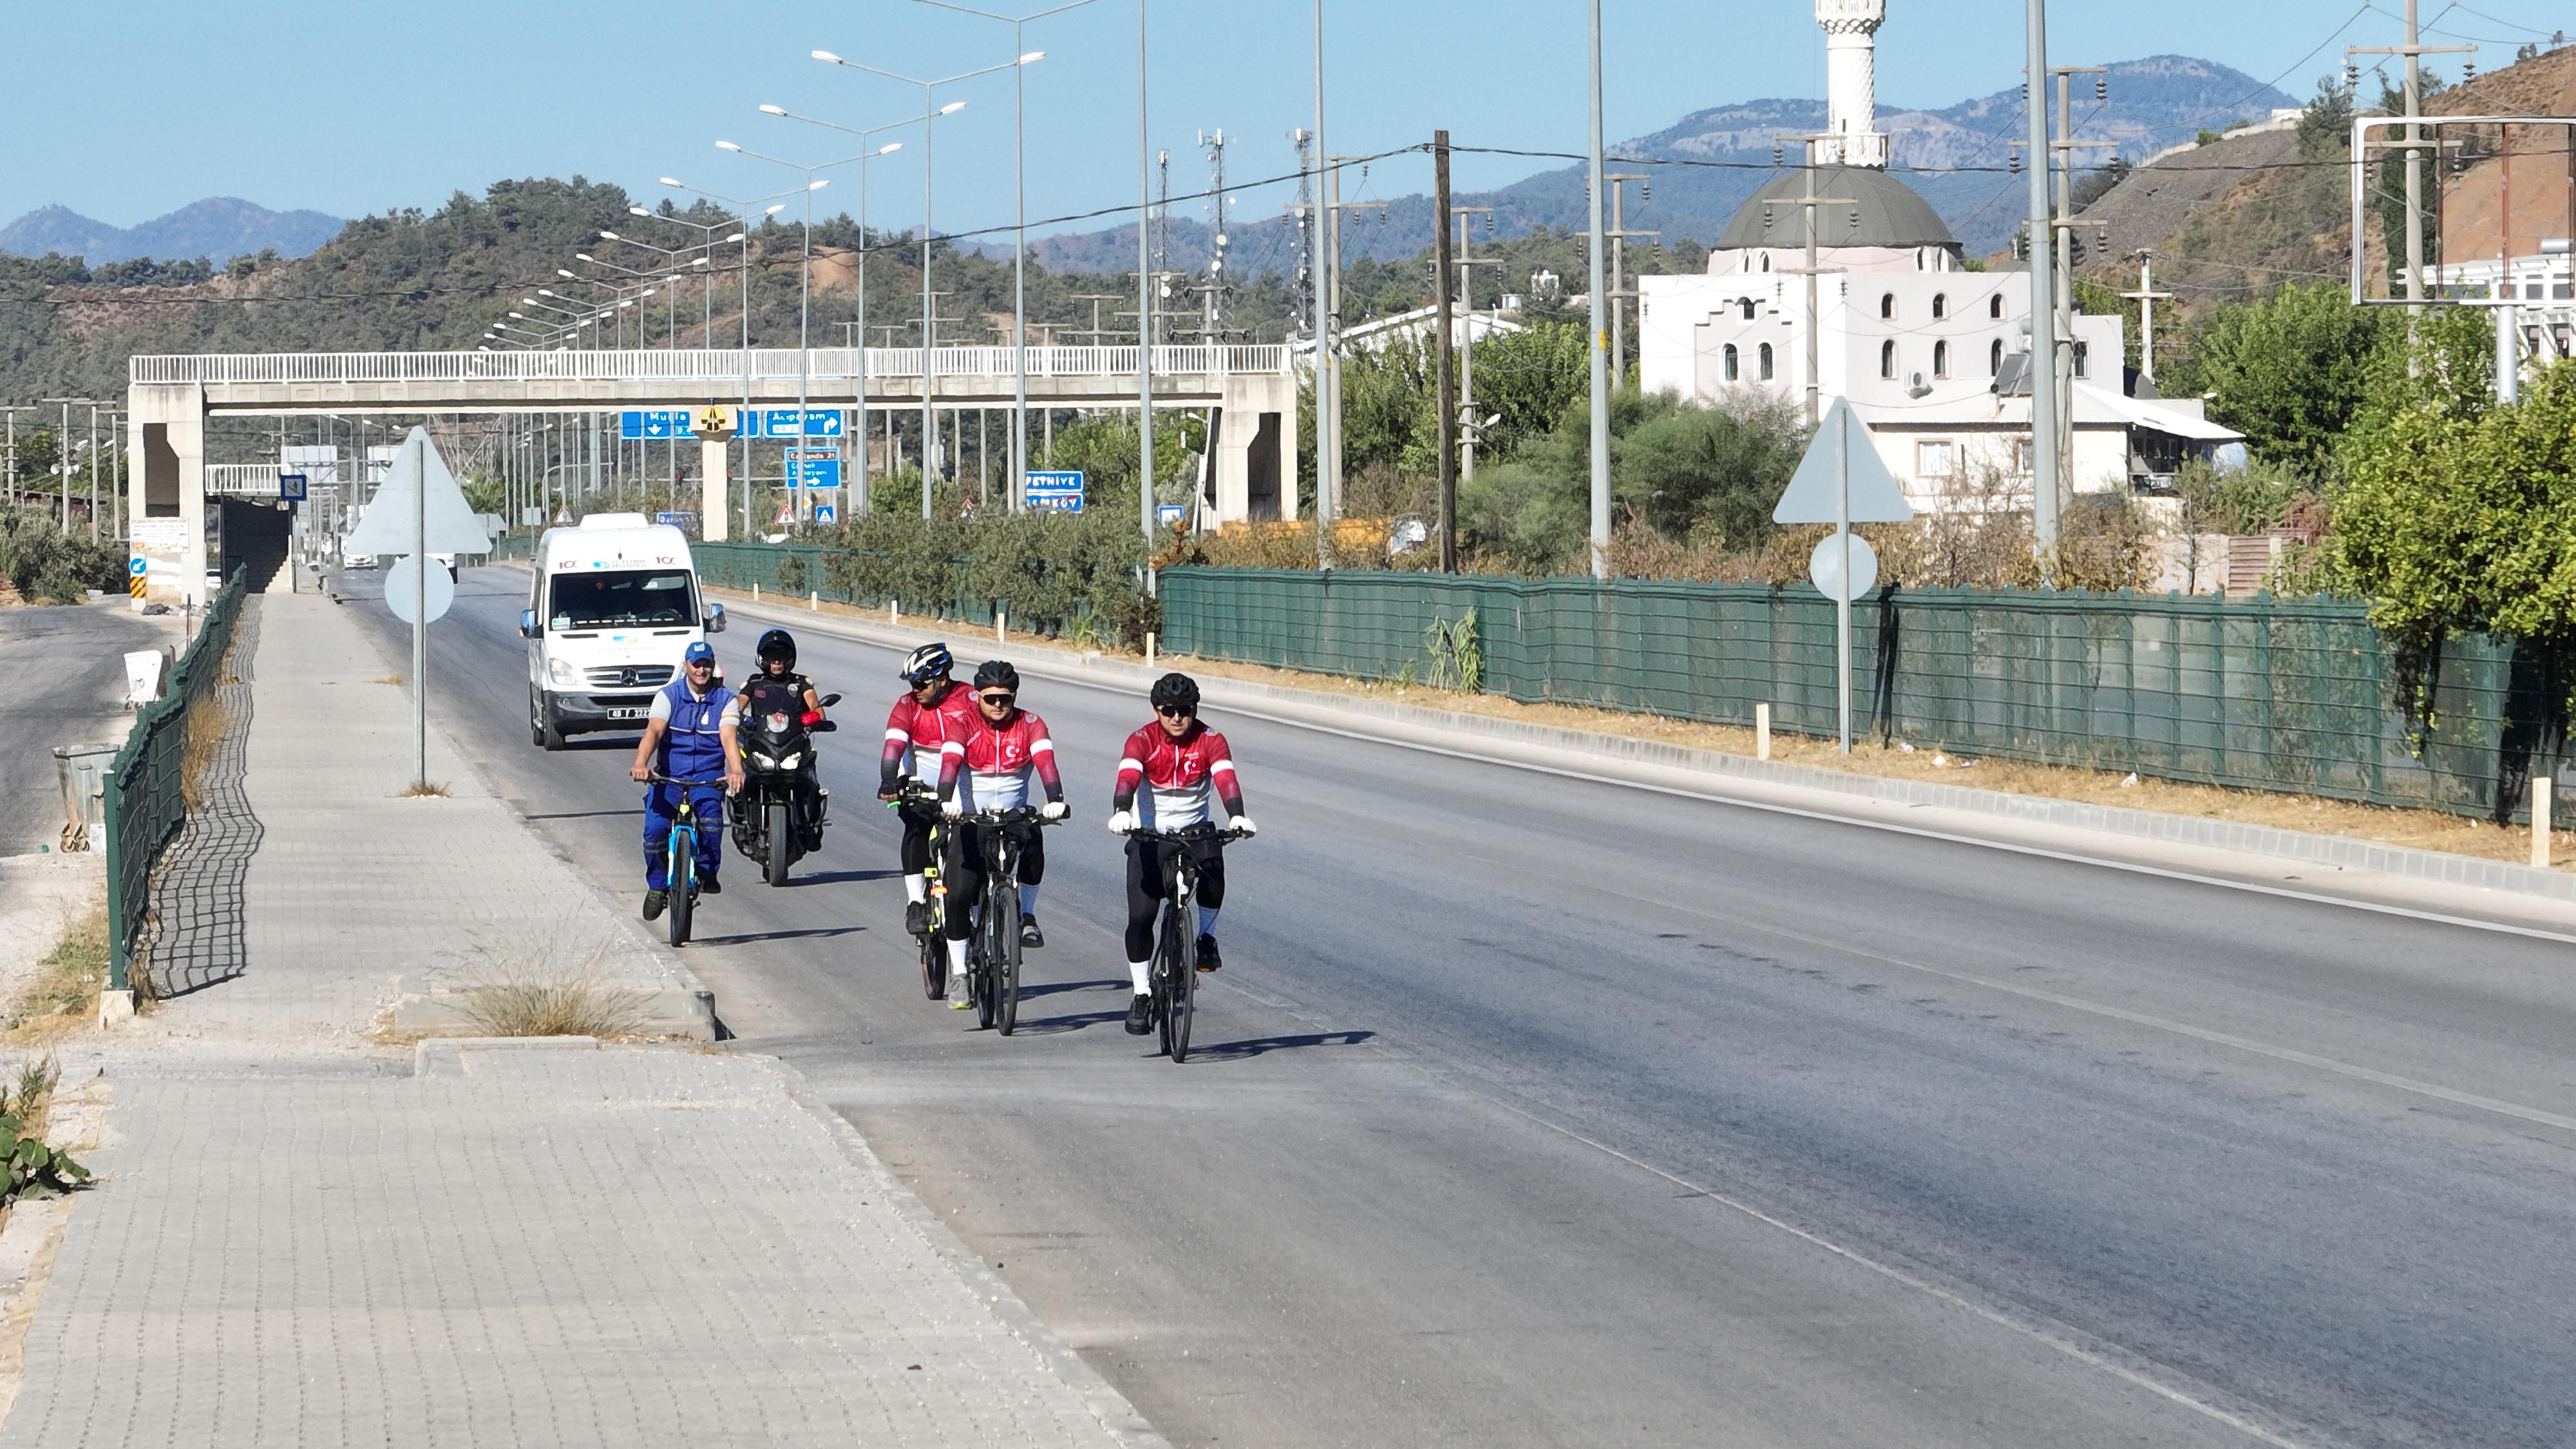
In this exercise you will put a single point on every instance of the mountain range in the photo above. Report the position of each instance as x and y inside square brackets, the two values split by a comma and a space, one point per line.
[218, 228]
[1957, 157]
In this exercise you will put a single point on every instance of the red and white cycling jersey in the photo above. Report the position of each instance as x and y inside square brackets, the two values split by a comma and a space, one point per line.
[1181, 773]
[918, 731]
[990, 765]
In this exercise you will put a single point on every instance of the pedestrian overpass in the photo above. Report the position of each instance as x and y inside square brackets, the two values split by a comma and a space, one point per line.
[1250, 388]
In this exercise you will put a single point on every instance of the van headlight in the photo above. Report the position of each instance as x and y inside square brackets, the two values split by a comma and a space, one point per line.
[560, 671]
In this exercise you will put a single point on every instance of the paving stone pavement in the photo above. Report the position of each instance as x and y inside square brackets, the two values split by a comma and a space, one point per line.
[302, 1238]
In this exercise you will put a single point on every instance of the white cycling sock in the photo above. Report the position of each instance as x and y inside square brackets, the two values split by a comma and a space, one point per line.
[1142, 971]
[916, 888]
[956, 958]
[1028, 899]
[1207, 920]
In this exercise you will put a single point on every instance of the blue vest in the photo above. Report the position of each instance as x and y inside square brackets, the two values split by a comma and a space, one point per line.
[693, 746]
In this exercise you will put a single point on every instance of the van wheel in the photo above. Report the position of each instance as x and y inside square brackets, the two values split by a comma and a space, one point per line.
[549, 733]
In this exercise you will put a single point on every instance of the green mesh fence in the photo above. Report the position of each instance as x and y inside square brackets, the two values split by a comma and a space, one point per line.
[146, 794]
[2267, 694]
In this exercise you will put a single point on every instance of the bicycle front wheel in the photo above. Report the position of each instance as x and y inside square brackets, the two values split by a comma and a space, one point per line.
[998, 924]
[682, 872]
[1006, 970]
[1178, 982]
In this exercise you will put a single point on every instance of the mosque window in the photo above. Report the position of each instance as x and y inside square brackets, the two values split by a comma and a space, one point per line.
[1766, 362]
[1887, 358]
[1747, 304]
[1940, 359]
[1995, 359]
[1887, 306]
[1995, 305]
[1940, 305]
[1730, 362]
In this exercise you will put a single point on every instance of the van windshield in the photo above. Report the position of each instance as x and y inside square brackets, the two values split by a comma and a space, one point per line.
[622, 599]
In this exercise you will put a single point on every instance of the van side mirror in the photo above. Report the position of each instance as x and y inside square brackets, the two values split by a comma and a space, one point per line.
[715, 618]
[527, 623]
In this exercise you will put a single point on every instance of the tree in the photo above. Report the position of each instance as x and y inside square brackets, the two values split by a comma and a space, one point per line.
[2290, 372]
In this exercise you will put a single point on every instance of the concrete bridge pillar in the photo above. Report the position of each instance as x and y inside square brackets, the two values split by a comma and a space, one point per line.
[166, 489]
[1256, 449]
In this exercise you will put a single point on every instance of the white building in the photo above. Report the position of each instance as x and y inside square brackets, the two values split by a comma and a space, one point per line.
[1931, 355]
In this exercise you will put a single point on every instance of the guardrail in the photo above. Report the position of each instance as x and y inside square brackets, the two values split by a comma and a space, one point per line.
[146, 786]
[715, 368]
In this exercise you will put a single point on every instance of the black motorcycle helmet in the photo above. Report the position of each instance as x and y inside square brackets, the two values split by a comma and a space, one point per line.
[996, 674]
[1177, 693]
[775, 644]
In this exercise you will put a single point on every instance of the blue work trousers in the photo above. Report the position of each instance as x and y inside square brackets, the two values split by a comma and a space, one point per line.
[661, 809]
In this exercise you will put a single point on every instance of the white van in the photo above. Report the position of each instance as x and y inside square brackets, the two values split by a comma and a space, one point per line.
[613, 604]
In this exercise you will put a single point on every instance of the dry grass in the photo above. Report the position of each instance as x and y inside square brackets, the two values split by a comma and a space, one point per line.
[2415, 829]
[395, 680]
[534, 991]
[208, 719]
[423, 790]
[63, 993]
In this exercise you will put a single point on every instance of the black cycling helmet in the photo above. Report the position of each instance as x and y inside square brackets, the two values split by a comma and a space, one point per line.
[997, 674]
[776, 644]
[1176, 692]
[927, 663]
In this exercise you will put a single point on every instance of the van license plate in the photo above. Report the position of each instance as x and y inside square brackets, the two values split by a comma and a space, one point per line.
[628, 713]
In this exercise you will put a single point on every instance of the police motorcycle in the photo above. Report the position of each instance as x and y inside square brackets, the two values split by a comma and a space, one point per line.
[779, 817]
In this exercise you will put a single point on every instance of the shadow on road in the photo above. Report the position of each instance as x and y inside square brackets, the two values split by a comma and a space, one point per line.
[197, 936]
[748, 937]
[842, 877]
[1264, 1045]
[637, 812]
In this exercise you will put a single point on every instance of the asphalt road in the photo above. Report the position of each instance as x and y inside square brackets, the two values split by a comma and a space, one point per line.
[1538, 1111]
[67, 668]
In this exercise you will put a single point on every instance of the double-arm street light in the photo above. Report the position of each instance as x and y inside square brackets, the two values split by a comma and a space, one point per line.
[671, 295]
[930, 111]
[1019, 229]
[804, 307]
[859, 497]
[742, 209]
[707, 289]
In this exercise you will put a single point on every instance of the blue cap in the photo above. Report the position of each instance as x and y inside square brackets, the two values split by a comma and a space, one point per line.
[697, 651]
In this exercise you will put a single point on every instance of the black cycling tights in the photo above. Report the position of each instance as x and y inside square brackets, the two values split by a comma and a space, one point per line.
[1145, 888]
[916, 837]
[963, 873]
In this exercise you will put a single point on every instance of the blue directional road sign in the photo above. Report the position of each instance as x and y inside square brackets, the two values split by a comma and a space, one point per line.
[781, 423]
[656, 424]
[290, 487]
[1056, 489]
[816, 473]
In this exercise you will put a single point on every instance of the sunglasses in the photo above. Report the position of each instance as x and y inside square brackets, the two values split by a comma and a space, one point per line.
[702, 664]
[1174, 711]
[997, 698]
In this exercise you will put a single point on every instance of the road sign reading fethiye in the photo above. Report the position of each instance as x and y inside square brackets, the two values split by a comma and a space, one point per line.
[1057, 489]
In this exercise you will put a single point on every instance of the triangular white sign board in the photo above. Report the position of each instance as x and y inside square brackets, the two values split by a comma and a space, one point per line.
[1876, 497]
[387, 525]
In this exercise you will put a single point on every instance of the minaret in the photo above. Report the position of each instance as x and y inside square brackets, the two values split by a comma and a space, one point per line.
[1851, 84]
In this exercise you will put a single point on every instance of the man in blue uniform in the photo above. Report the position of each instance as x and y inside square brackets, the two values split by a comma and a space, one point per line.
[691, 736]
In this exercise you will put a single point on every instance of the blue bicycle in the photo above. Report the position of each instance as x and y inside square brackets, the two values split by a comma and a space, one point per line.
[681, 864]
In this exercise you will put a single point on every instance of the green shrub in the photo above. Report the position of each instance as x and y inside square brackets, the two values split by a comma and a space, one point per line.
[1045, 570]
[46, 565]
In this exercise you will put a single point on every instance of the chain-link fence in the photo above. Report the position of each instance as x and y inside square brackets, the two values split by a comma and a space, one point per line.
[2297, 695]
[146, 787]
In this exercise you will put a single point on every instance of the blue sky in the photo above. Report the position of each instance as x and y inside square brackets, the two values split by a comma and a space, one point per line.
[355, 107]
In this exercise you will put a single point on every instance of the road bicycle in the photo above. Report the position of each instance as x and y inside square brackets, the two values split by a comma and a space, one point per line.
[934, 950]
[1173, 978]
[993, 952]
[680, 866]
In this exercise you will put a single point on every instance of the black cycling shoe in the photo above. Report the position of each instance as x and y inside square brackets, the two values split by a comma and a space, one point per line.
[1030, 935]
[710, 885]
[654, 901]
[1208, 959]
[1140, 1015]
[916, 917]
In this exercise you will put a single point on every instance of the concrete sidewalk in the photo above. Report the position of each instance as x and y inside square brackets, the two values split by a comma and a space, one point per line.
[301, 1237]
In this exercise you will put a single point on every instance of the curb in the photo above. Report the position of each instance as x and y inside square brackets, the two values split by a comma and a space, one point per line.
[2338, 851]
[1116, 1416]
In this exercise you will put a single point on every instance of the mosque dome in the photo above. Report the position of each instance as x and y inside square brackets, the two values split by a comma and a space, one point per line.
[1883, 212]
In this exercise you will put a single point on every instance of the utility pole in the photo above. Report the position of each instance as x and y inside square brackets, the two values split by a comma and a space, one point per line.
[1466, 267]
[1328, 397]
[1619, 293]
[1327, 439]
[2043, 290]
[1600, 359]
[1815, 267]
[2147, 297]
[1444, 381]
[2061, 161]
[2414, 50]
[1144, 301]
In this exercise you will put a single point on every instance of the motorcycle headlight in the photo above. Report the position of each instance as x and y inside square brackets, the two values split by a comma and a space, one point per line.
[560, 671]
[788, 762]
[764, 762]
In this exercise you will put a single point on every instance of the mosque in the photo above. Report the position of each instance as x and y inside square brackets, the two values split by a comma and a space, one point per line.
[1933, 356]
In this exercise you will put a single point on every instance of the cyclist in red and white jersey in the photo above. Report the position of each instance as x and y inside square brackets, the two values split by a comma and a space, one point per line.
[933, 709]
[993, 767]
[1165, 776]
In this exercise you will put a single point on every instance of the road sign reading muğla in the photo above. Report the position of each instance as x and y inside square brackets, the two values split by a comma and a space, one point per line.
[1876, 496]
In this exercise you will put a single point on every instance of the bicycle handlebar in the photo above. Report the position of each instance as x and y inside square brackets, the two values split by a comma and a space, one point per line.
[1017, 815]
[661, 779]
[1187, 834]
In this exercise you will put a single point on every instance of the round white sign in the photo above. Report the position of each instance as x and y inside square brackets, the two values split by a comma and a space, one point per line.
[1825, 566]
[400, 591]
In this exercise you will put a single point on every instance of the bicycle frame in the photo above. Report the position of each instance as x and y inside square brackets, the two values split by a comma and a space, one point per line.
[1175, 978]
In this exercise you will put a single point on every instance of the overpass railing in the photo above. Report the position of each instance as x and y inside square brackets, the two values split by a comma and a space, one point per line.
[714, 368]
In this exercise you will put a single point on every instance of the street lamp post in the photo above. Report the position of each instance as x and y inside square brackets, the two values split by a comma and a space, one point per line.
[860, 494]
[708, 292]
[1145, 299]
[744, 208]
[804, 311]
[1019, 232]
[929, 337]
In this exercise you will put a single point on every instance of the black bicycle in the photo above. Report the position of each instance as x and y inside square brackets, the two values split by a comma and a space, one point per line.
[934, 950]
[993, 952]
[681, 864]
[1174, 978]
